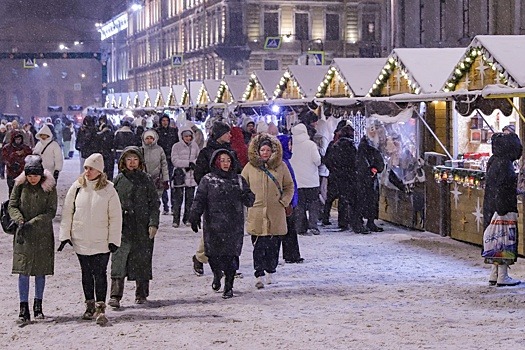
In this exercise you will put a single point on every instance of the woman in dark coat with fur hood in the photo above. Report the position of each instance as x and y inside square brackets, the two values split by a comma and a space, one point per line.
[219, 199]
[33, 206]
[500, 194]
[140, 221]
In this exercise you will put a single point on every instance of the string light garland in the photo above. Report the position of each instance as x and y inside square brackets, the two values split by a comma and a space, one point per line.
[466, 177]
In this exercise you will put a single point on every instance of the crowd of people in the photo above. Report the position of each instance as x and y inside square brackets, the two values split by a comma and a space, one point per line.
[284, 183]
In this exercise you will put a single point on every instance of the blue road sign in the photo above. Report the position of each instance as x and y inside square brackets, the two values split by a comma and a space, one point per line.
[272, 43]
[177, 60]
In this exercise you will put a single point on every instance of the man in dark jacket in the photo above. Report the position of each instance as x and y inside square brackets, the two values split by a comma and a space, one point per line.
[105, 140]
[219, 139]
[168, 136]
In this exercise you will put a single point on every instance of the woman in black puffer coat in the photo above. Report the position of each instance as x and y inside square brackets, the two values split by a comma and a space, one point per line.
[219, 199]
[500, 195]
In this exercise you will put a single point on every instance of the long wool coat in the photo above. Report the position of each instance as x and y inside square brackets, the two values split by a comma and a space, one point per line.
[37, 206]
[140, 210]
[267, 216]
[220, 199]
[368, 157]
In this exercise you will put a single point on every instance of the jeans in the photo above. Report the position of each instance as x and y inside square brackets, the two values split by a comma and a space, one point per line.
[66, 148]
[177, 194]
[23, 287]
[94, 275]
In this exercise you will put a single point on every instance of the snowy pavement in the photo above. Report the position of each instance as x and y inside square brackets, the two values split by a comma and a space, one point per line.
[397, 289]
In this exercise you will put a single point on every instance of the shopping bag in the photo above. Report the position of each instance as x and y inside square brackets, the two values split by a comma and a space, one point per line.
[500, 237]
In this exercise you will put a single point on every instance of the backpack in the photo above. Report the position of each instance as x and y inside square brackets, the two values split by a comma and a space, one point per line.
[8, 225]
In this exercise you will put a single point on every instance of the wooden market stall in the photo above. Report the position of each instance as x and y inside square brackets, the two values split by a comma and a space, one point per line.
[490, 63]
[261, 85]
[231, 89]
[300, 82]
[414, 72]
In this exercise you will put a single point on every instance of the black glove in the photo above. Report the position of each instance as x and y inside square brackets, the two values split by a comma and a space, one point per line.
[112, 248]
[55, 174]
[19, 234]
[63, 244]
[192, 166]
[195, 226]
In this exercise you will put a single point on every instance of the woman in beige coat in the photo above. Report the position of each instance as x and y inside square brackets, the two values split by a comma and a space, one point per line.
[272, 184]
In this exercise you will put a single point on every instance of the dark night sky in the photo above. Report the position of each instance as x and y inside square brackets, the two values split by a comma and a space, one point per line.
[88, 9]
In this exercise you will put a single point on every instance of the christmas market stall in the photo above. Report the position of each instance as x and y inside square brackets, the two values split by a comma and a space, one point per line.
[487, 80]
[261, 85]
[231, 89]
[413, 72]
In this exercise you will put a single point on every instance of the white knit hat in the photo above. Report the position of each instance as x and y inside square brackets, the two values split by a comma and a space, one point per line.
[95, 161]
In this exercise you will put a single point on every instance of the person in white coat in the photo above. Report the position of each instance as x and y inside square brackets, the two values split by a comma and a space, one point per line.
[49, 149]
[156, 161]
[305, 162]
[183, 157]
[92, 223]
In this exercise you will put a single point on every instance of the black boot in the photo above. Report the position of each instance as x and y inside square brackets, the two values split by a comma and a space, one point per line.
[24, 317]
[216, 284]
[90, 310]
[372, 226]
[37, 309]
[228, 286]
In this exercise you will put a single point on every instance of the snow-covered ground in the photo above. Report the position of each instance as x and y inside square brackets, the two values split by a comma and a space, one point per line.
[393, 290]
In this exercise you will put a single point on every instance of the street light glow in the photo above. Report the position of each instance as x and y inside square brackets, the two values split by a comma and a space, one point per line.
[136, 7]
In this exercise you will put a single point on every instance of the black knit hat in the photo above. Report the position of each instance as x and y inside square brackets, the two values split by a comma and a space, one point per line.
[218, 129]
[33, 165]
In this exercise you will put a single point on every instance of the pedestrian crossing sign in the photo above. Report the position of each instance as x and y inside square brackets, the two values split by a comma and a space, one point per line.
[316, 58]
[177, 60]
[29, 63]
[272, 43]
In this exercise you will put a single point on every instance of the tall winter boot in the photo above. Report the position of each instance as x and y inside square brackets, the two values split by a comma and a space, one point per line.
[493, 278]
[90, 310]
[100, 313]
[37, 309]
[504, 280]
[228, 286]
[24, 317]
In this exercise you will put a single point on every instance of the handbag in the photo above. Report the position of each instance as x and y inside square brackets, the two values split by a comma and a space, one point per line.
[287, 210]
[500, 239]
[178, 178]
[8, 225]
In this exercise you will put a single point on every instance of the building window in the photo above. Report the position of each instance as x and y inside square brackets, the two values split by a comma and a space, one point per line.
[369, 27]
[302, 27]
[271, 65]
[271, 24]
[332, 26]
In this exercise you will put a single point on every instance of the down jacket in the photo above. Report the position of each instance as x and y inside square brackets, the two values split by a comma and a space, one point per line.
[36, 206]
[305, 159]
[91, 218]
[49, 150]
[182, 155]
[219, 199]
[267, 216]
[155, 159]
[140, 210]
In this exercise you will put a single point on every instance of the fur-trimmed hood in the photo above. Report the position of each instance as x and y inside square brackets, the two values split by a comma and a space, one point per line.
[277, 151]
[131, 150]
[47, 183]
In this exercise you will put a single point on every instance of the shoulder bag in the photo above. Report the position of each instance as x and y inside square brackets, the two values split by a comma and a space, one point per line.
[289, 209]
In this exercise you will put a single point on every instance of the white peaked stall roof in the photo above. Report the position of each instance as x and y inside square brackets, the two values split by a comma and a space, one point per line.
[178, 93]
[269, 79]
[142, 98]
[237, 85]
[165, 94]
[116, 100]
[152, 94]
[109, 100]
[132, 97]
[506, 50]
[359, 73]
[212, 88]
[194, 89]
[308, 78]
[429, 67]
[123, 102]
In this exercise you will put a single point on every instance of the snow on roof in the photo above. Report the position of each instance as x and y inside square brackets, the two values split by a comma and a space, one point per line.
[152, 94]
[308, 78]
[268, 79]
[165, 93]
[429, 67]
[212, 88]
[178, 92]
[502, 91]
[142, 98]
[359, 73]
[194, 89]
[237, 85]
[507, 50]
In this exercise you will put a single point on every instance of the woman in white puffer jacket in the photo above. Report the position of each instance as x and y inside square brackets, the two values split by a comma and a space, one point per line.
[92, 224]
